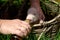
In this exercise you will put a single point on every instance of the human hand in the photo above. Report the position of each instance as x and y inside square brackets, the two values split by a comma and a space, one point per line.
[34, 14]
[16, 26]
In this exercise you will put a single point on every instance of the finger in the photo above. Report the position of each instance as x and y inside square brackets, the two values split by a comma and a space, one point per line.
[18, 32]
[19, 23]
[24, 23]
[23, 30]
[26, 27]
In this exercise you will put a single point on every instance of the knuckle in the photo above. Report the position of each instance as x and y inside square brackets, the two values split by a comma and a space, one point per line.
[29, 28]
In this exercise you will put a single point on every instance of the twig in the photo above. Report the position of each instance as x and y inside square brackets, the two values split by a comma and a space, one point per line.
[53, 19]
[47, 22]
[54, 1]
[38, 31]
[42, 33]
[49, 28]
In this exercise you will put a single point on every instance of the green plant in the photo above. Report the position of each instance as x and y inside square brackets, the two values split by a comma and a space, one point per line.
[45, 4]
